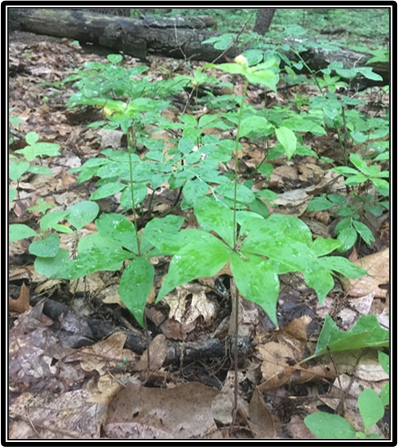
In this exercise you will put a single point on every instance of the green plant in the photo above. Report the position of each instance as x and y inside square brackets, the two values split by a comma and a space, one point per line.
[367, 333]
[258, 248]
[19, 166]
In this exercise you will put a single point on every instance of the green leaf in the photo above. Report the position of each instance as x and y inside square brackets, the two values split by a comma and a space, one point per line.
[384, 360]
[53, 267]
[320, 280]
[319, 204]
[118, 228]
[50, 219]
[243, 194]
[266, 77]
[43, 170]
[343, 266]
[12, 193]
[216, 216]
[347, 237]
[232, 68]
[288, 140]
[45, 248]
[164, 233]
[382, 186]
[82, 213]
[385, 394]
[369, 74]
[115, 58]
[93, 260]
[260, 208]
[322, 246]
[62, 228]
[20, 231]
[365, 334]
[32, 138]
[107, 190]
[371, 407]
[140, 192]
[356, 179]
[364, 232]
[39, 150]
[135, 286]
[204, 256]
[193, 190]
[16, 169]
[252, 124]
[96, 240]
[257, 282]
[329, 426]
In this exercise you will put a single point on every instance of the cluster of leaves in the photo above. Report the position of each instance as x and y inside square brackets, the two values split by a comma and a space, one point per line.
[367, 333]
[259, 247]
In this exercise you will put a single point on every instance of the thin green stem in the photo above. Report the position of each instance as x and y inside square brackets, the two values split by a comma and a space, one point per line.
[235, 233]
[129, 145]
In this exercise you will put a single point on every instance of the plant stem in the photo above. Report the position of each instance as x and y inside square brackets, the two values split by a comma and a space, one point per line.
[129, 146]
[235, 233]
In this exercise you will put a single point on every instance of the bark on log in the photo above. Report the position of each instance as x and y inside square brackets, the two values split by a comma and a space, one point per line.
[164, 37]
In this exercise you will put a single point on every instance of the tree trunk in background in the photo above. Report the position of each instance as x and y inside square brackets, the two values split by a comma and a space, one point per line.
[122, 12]
[263, 20]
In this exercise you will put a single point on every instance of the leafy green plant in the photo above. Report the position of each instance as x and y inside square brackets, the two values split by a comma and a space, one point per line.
[366, 333]
[258, 248]
[18, 166]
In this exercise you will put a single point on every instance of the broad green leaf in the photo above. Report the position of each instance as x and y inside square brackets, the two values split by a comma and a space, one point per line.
[118, 228]
[366, 333]
[252, 124]
[32, 138]
[355, 179]
[347, 237]
[62, 228]
[232, 68]
[39, 150]
[345, 170]
[135, 286]
[12, 193]
[364, 232]
[368, 73]
[319, 204]
[320, 280]
[243, 194]
[384, 360]
[329, 426]
[16, 169]
[359, 163]
[50, 219]
[107, 190]
[266, 77]
[93, 260]
[164, 233]
[347, 73]
[371, 407]
[288, 140]
[140, 192]
[343, 266]
[385, 394]
[82, 213]
[45, 248]
[215, 216]
[257, 282]
[19, 231]
[204, 256]
[115, 58]
[193, 190]
[382, 186]
[260, 208]
[54, 267]
[96, 240]
[322, 246]
[43, 170]
[253, 56]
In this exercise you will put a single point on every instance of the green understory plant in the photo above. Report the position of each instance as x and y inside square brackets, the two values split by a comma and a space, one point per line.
[258, 248]
[18, 166]
[366, 334]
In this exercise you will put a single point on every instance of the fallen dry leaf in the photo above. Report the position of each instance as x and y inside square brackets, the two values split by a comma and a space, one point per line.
[378, 267]
[181, 412]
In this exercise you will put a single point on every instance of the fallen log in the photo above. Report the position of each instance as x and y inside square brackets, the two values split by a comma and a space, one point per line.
[179, 38]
